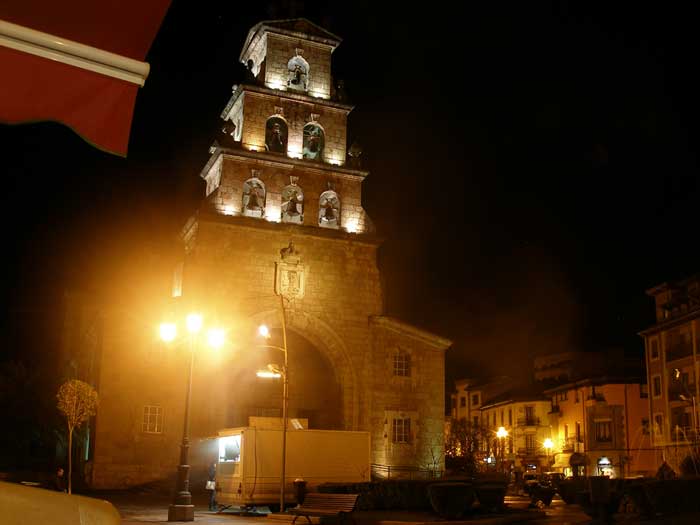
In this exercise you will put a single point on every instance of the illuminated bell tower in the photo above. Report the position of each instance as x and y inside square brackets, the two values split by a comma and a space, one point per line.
[287, 125]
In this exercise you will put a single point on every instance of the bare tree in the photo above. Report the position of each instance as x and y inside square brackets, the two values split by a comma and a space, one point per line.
[462, 445]
[77, 401]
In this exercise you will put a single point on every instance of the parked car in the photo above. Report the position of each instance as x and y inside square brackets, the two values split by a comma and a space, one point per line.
[530, 479]
[552, 479]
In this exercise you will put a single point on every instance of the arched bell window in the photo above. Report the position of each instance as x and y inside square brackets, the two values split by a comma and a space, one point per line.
[314, 142]
[276, 135]
[254, 198]
[298, 72]
[293, 203]
[329, 210]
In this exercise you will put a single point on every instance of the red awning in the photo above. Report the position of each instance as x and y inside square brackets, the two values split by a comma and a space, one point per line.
[78, 62]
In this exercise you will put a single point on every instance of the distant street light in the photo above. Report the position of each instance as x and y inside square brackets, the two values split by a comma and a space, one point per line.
[182, 509]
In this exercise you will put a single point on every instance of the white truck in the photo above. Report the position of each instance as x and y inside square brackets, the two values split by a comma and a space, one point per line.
[250, 463]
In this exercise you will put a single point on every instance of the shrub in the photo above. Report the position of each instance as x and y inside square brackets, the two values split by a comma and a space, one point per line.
[385, 495]
[451, 500]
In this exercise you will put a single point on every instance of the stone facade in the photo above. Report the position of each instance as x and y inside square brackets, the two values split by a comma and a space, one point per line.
[350, 366]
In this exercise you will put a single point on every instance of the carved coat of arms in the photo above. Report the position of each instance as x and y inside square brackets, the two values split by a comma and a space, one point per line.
[290, 274]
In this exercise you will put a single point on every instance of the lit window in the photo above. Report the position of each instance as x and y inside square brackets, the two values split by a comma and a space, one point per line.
[152, 420]
[401, 430]
[402, 365]
[603, 431]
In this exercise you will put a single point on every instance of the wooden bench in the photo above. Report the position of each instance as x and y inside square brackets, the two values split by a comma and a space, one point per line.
[326, 506]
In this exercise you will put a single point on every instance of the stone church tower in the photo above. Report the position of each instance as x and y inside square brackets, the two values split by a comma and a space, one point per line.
[283, 216]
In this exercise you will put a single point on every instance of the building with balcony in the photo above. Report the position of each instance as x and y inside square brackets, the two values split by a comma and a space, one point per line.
[525, 414]
[602, 427]
[671, 354]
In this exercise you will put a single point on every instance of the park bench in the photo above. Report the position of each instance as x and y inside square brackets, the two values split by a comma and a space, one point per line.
[324, 505]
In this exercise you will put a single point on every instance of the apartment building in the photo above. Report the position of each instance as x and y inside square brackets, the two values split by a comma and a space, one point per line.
[602, 427]
[671, 353]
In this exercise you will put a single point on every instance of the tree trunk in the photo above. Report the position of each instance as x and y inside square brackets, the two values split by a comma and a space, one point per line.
[70, 459]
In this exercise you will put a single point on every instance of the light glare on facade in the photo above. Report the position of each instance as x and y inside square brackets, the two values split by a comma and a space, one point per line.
[501, 433]
[264, 331]
[268, 374]
[194, 323]
[168, 332]
[548, 444]
[216, 337]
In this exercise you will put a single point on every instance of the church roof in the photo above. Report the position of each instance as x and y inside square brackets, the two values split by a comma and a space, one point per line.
[294, 27]
[406, 329]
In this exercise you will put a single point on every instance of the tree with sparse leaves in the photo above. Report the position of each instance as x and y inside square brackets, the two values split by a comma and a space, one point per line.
[77, 401]
[462, 446]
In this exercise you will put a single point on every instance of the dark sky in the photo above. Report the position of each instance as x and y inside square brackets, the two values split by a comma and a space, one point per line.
[533, 167]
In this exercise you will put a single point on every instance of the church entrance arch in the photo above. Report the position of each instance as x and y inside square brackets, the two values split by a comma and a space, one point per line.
[322, 382]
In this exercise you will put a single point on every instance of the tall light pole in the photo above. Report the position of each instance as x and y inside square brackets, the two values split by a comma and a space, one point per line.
[273, 371]
[502, 434]
[182, 508]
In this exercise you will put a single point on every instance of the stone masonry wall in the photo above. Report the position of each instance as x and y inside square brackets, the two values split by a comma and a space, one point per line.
[420, 397]
[232, 270]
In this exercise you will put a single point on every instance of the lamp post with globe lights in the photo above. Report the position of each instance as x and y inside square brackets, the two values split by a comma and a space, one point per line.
[182, 508]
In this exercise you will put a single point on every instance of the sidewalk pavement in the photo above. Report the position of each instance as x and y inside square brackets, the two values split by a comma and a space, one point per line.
[140, 509]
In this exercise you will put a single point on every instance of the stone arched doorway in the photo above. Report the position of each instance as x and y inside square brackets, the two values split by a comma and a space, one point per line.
[314, 390]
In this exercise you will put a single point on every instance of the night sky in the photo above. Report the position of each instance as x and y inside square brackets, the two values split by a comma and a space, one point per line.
[533, 168]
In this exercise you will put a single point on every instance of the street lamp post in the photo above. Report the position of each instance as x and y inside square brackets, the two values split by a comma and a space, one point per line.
[182, 508]
[502, 434]
[548, 444]
[274, 371]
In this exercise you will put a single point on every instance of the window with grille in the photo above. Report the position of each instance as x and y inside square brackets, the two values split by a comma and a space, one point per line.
[152, 419]
[401, 430]
[402, 364]
[603, 431]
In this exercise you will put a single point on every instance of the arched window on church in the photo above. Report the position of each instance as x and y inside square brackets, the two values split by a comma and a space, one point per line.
[314, 142]
[293, 203]
[329, 210]
[254, 198]
[276, 135]
[298, 72]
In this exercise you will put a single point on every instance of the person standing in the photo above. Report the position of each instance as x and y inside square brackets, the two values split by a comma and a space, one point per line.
[59, 481]
[211, 486]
